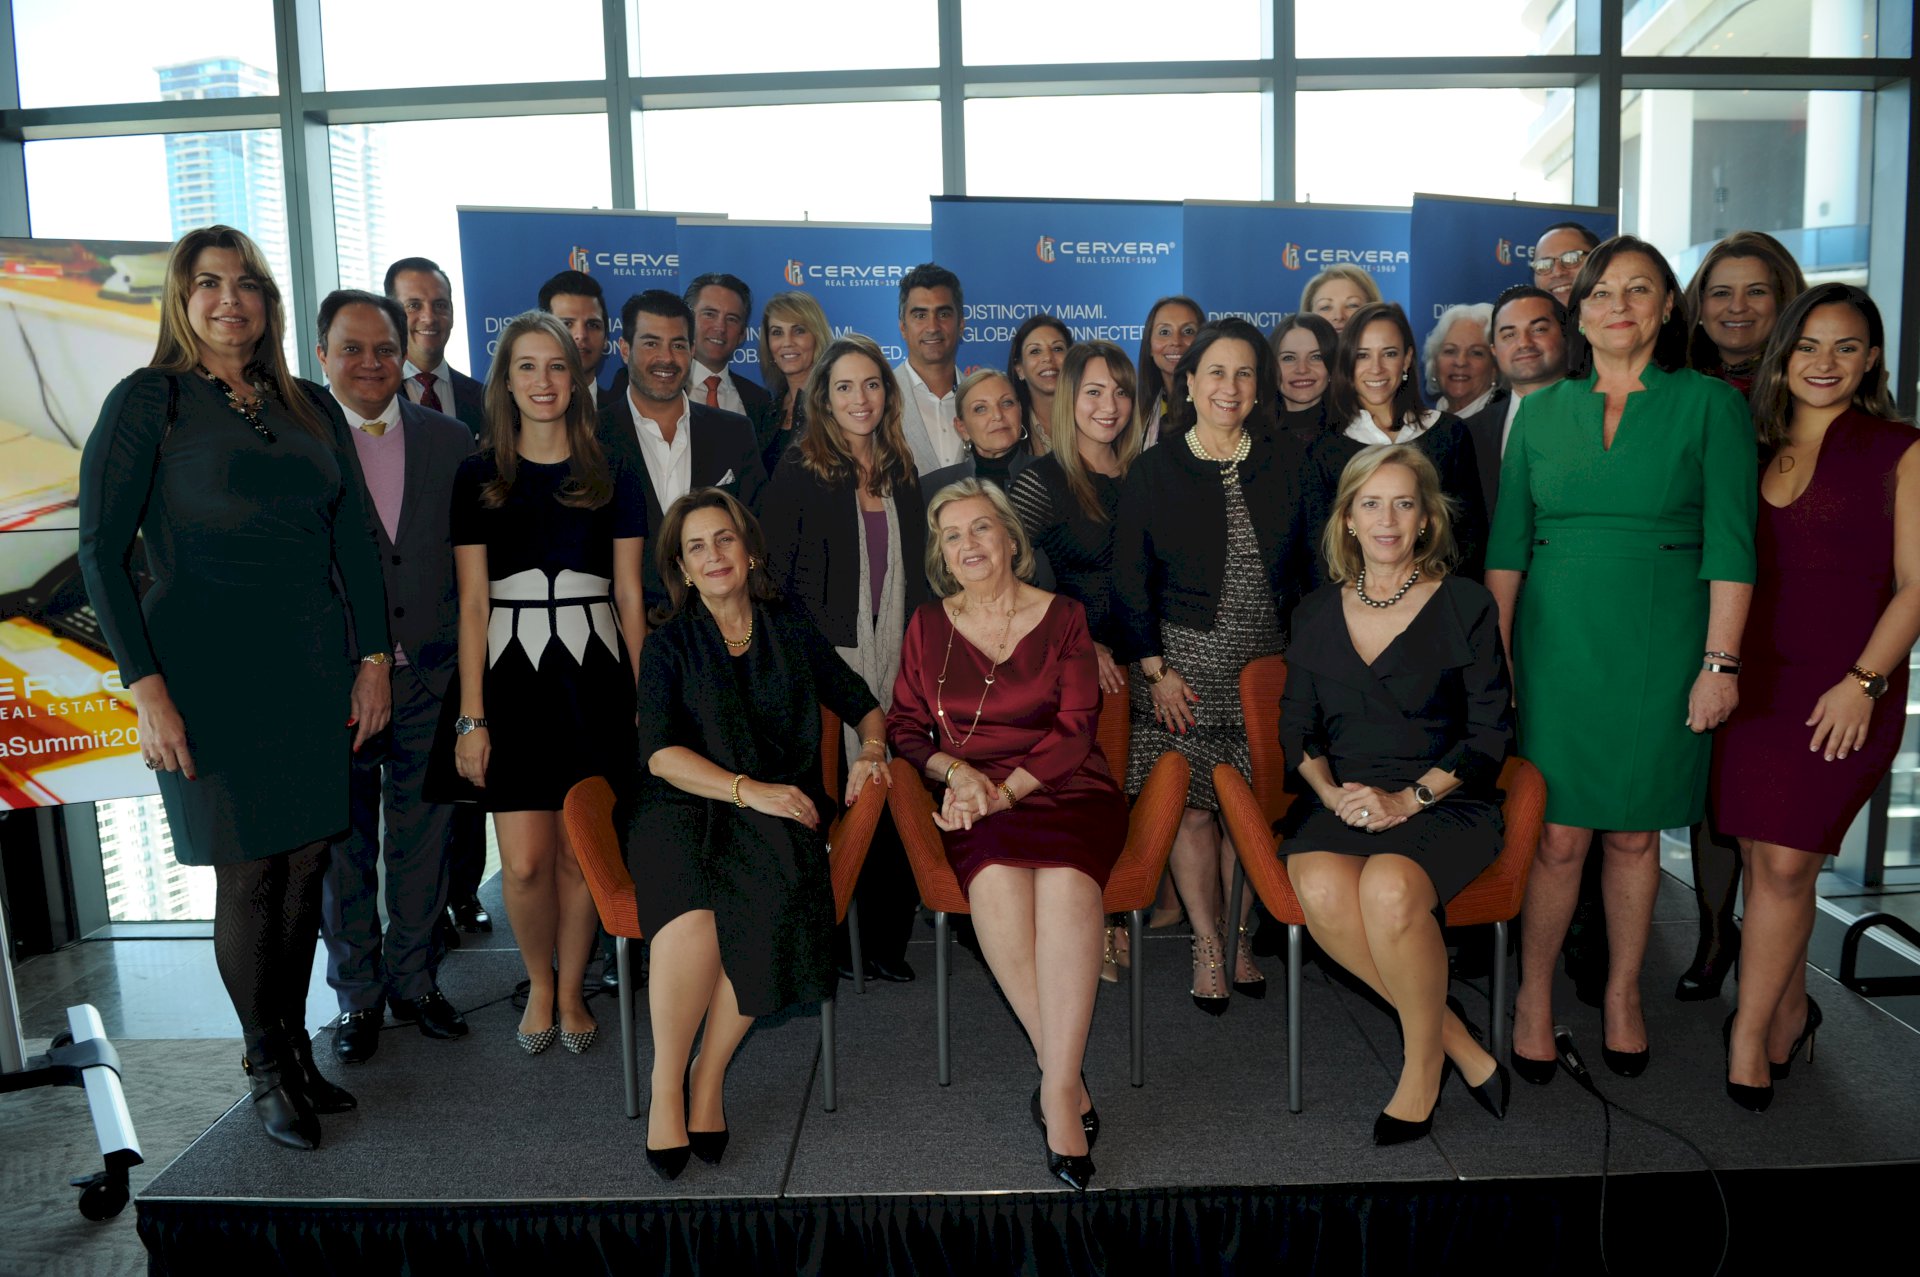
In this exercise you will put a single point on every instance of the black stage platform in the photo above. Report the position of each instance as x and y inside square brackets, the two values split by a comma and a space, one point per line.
[472, 1154]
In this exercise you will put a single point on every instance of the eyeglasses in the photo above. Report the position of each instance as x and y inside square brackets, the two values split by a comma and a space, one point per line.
[1571, 259]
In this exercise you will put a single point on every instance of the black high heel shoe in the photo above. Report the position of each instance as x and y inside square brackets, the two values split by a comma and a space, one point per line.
[1627, 1063]
[1492, 1094]
[1256, 988]
[1089, 1120]
[1388, 1129]
[1807, 1030]
[1211, 1003]
[667, 1163]
[1754, 1099]
[708, 1146]
[1712, 960]
[1074, 1170]
[1532, 1071]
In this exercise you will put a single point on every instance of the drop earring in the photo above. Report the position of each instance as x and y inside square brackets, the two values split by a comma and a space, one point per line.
[752, 563]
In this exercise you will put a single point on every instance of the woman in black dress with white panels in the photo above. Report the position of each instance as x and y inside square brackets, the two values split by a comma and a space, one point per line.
[547, 534]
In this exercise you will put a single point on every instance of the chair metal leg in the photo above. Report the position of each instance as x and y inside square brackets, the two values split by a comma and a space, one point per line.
[1497, 1008]
[942, 1030]
[1231, 924]
[1137, 992]
[829, 1083]
[629, 1061]
[853, 947]
[1295, 934]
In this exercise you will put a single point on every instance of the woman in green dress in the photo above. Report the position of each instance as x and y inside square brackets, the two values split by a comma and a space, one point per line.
[1627, 501]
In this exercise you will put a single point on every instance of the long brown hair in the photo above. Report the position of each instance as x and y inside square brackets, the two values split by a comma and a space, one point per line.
[823, 448]
[1772, 398]
[1343, 396]
[1782, 272]
[666, 550]
[1066, 443]
[178, 349]
[589, 482]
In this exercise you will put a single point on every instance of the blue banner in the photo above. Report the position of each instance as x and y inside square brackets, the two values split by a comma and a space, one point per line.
[1470, 250]
[1253, 260]
[1096, 265]
[852, 271]
[507, 253]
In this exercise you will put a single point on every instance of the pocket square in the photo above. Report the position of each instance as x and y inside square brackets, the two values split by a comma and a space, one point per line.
[725, 479]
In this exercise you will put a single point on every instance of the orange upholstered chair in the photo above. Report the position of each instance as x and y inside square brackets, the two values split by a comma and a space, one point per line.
[1130, 887]
[588, 813]
[1494, 897]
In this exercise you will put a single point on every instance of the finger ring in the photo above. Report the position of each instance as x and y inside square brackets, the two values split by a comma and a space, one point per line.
[152, 765]
[1365, 814]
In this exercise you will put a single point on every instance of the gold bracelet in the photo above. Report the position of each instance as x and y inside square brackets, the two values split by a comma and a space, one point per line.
[736, 789]
[947, 779]
[873, 740]
[1007, 789]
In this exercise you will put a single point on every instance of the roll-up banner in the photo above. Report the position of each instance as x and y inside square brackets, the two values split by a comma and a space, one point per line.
[1253, 260]
[1470, 250]
[507, 253]
[1097, 265]
[853, 271]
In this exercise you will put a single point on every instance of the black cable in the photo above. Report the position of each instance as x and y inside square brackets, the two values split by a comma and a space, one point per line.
[40, 379]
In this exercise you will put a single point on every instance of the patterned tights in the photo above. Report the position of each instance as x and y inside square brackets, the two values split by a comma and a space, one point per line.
[266, 920]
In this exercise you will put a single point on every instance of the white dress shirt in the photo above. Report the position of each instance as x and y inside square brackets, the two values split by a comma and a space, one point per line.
[1363, 429]
[728, 393]
[1478, 403]
[669, 465]
[389, 417]
[927, 421]
[442, 384]
[1506, 431]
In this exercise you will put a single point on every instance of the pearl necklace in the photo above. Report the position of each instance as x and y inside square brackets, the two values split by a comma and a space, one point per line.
[1240, 453]
[939, 705]
[1360, 588]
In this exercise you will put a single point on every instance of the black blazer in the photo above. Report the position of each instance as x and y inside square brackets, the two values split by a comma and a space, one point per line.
[753, 396]
[469, 402]
[423, 599]
[773, 440]
[1436, 697]
[813, 544]
[1485, 428]
[725, 455]
[1450, 448]
[1170, 539]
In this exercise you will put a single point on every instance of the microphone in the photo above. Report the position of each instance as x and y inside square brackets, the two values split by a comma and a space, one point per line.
[1570, 1058]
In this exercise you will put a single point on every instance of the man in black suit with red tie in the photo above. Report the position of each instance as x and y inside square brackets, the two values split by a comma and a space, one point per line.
[677, 442]
[722, 307]
[426, 295]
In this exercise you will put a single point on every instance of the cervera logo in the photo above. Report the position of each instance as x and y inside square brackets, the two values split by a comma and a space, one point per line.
[631, 265]
[1503, 252]
[796, 272]
[1290, 256]
[1104, 252]
[1044, 249]
[843, 274]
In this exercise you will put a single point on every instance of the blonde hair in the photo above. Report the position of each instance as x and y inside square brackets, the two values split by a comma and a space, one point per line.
[939, 575]
[1354, 275]
[1433, 557]
[1066, 443]
[178, 348]
[794, 308]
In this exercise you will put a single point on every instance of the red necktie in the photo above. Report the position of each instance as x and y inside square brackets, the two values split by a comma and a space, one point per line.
[713, 391]
[429, 397]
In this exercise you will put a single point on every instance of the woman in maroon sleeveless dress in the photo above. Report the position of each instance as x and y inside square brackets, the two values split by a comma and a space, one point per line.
[1822, 694]
[997, 700]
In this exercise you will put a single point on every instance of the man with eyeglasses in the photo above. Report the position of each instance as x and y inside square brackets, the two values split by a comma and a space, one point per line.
[1558, 255]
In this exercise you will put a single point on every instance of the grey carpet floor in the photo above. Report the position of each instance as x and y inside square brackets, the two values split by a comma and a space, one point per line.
[480, 1120]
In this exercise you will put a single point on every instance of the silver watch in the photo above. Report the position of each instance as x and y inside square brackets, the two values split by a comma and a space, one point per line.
[1424, 796]
[462, 725]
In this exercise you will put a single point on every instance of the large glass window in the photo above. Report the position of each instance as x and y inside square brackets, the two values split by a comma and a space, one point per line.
[1379, 146]
[136, 51]
[1003, 32]
[672, 37]
[1751, 29]
[374, 44]
[1151, 146]
[1696, 165]
[396, 187]
[144, 882]
[1423, 29]
[836, 161]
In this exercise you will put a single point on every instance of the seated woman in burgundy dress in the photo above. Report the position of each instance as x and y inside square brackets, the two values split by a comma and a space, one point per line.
[997, 699]
[1835, 611]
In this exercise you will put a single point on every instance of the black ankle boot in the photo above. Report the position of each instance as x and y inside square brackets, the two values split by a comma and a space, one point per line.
[278, 1100]
[322, 1096]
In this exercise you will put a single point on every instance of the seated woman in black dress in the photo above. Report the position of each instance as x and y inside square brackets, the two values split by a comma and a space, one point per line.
[727, 846]
[1396, 717]
[1033, 818]
[547, 535]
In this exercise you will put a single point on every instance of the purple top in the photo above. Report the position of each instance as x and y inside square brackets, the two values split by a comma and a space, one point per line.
[876, 521]
[383, 459]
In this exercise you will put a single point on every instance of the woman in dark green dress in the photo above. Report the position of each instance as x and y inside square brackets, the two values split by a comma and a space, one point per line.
[251, 682]
[1627, 498]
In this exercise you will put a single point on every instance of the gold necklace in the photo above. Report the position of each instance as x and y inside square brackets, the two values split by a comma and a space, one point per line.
[939, 705]
[738, 645]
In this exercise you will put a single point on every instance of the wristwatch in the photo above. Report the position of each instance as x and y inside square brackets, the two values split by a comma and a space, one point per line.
[462, 725]
[1874, 685]
[1424, 796]
[376, 658]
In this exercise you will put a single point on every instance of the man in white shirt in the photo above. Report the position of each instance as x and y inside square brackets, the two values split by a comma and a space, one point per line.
[931, 307]
[678, 444]
[1528, 334]
[426, 295]
[721, 305]
[575, 299]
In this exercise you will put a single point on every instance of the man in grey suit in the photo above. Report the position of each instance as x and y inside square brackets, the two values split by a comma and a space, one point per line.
[1530, 347]
[405, 456]
[931, 311]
